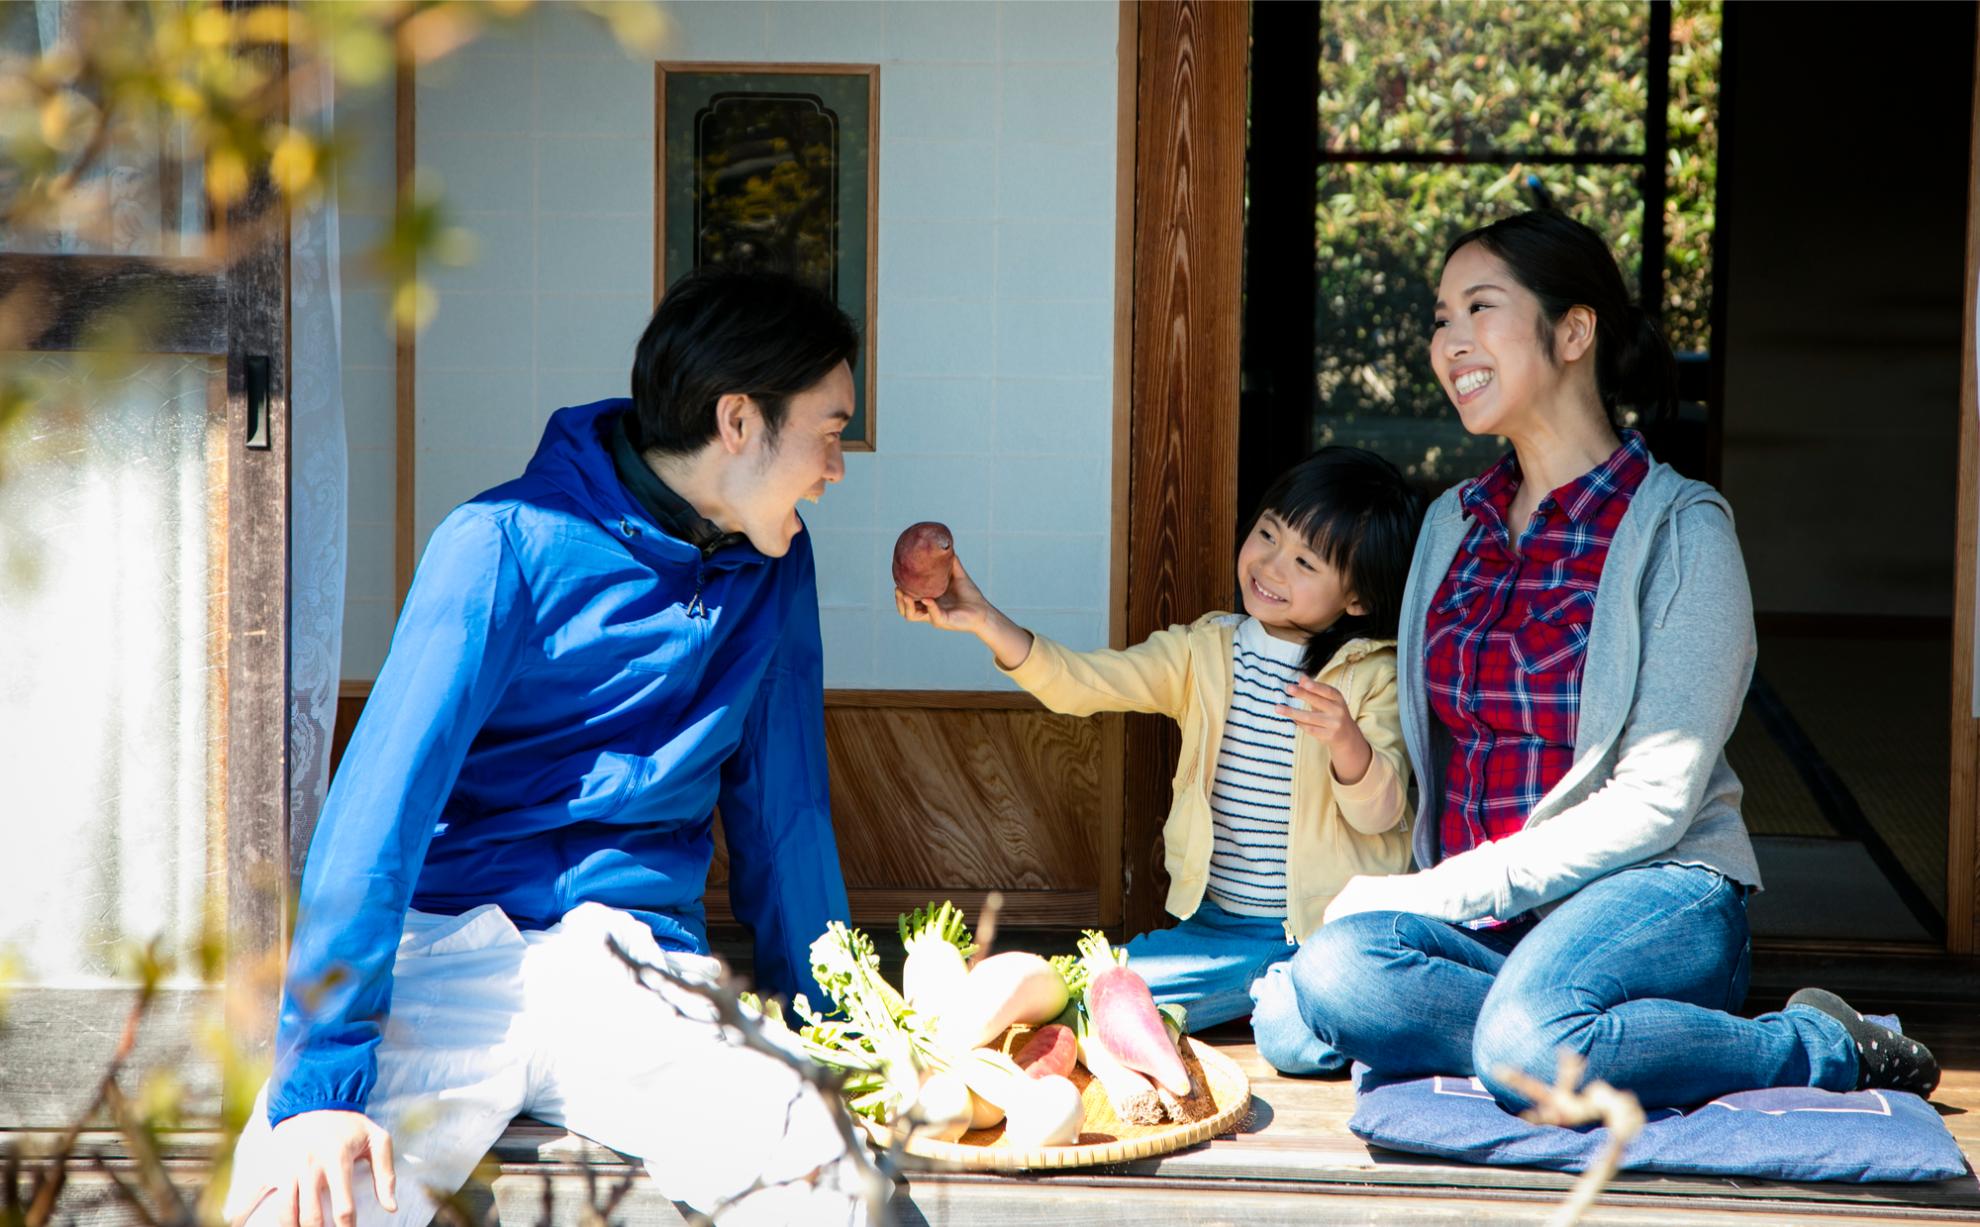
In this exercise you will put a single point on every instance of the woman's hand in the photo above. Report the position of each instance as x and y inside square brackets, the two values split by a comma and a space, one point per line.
[1371, 893]
[1326, 717]
[964, 608]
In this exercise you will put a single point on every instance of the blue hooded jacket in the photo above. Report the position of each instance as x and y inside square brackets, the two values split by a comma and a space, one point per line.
[570, 693]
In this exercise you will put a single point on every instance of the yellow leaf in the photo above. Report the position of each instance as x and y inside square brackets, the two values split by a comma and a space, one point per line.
[413, 305]
[226, 175]
[293, 163]
[362, 54]
[211, 30]
[433, 33]
[273, 23]
[65, 120]
[638, 26]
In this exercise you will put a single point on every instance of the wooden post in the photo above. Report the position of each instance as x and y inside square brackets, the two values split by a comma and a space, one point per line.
[1963, 825]
[1183, 414]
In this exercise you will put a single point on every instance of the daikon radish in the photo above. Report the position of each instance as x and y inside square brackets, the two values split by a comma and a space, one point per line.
[1125, 1020]
[938, 946]
[1014, 987]
[1132, 1096]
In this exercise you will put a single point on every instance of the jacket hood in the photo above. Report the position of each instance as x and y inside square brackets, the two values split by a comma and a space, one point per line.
[575, 456]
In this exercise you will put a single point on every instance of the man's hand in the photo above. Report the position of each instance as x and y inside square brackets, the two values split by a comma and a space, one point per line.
[964, 608]
[1322, 711]
[318, 1149]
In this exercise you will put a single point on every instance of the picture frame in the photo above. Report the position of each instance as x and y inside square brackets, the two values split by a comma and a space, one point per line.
[774, 166]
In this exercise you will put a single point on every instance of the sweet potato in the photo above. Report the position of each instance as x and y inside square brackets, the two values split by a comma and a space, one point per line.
[1052, 1049]
[922, 559]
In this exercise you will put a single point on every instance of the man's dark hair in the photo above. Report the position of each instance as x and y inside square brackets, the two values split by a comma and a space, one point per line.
[718, 331]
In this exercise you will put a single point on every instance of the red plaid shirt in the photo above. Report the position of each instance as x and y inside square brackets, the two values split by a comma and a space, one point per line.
[1508, 635]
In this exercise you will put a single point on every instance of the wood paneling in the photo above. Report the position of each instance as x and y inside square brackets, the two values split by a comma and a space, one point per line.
[1963, 833]
[949, 795]
[953, 801]
[1188, 254]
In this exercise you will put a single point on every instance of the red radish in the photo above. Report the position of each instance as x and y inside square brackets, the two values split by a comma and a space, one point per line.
[1125, 1019]
[922, 558]
[1052, 1049]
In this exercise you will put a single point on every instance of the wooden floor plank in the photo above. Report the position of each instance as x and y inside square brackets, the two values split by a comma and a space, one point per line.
[1292, 1161]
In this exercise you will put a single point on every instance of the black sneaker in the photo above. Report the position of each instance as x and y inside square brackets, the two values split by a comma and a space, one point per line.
[1885, 1059]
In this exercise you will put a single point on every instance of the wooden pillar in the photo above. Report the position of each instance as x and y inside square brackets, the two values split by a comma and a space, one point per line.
[1963, 827]
[1183, 414]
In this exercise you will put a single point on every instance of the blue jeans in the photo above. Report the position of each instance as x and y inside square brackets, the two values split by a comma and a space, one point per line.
[1638, 972]
[1221, 966]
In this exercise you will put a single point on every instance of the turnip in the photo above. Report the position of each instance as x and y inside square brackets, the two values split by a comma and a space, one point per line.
[982, 1113]
[943, 1108]
[938, 946]
[922, 560]
[1039, 1111]
[1125, 1020]
[1049, 1113]
[1013, 987]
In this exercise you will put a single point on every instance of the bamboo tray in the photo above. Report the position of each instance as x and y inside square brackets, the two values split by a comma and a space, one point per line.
[1223, 1094]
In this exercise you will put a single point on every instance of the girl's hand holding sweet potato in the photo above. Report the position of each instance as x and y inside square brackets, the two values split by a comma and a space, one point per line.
[963, 607]
[1322, 711]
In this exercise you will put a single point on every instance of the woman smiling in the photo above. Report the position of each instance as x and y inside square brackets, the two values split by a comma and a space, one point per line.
[1575, 645]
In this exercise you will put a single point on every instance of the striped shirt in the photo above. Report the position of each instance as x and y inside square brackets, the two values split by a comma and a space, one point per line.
[1251, 793]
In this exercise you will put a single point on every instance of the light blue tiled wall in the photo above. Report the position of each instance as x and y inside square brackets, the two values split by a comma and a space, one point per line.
[995, 329]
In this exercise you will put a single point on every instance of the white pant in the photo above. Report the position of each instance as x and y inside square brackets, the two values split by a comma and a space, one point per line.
[488, 1023]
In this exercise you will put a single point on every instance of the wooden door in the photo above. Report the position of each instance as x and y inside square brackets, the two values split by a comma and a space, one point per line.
[143, 540]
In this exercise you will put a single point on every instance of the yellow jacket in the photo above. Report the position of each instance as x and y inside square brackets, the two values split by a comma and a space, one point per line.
[1337, 830]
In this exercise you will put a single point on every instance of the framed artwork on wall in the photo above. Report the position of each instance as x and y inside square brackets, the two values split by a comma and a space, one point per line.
[774, 166]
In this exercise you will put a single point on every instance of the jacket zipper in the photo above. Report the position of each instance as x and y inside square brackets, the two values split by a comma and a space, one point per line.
[695, 609]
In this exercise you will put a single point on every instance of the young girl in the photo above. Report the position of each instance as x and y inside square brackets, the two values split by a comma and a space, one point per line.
[1293, 774]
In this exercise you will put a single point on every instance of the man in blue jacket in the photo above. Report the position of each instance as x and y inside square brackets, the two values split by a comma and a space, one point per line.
[593, 657]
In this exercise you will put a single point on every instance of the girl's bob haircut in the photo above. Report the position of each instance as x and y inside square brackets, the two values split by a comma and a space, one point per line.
[1358, 512]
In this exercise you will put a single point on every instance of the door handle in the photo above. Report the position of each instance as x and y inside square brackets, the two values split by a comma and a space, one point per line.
[255, 375]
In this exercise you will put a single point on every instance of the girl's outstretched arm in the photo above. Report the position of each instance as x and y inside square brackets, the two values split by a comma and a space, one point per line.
[964, 608]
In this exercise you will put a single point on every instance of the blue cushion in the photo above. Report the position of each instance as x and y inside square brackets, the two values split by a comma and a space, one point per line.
[1787, 1133]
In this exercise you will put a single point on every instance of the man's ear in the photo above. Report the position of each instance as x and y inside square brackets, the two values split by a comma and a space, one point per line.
[737, 420]
[1574, 335]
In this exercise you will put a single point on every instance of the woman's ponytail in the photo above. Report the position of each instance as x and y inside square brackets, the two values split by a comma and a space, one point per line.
[1635, 369]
